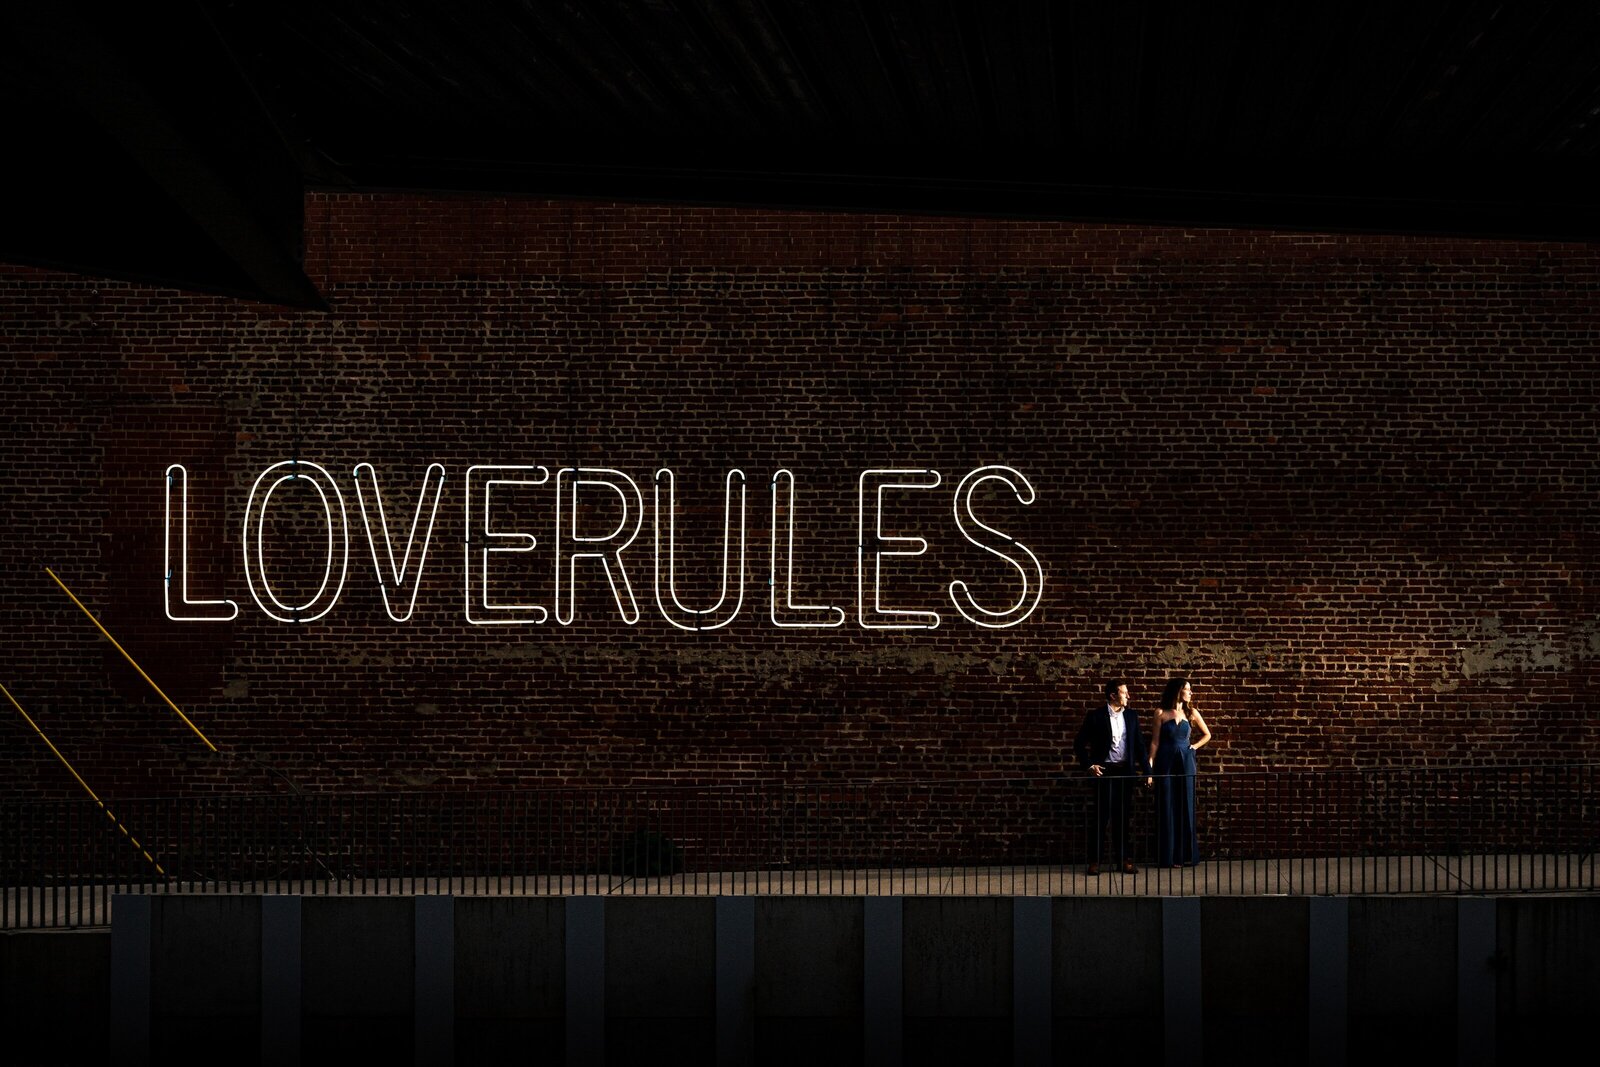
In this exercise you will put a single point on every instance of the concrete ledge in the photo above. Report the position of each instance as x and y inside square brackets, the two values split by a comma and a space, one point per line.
[55, 995]
[1547, 968]
[358, 970]
[1255, 963]
[1402, 985]
[829, 976]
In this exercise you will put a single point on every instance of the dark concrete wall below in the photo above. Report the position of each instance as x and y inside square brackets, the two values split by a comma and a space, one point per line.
[1110, 964]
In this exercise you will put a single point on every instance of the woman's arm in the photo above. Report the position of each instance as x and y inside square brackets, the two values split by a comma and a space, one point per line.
[1155, 742]
[1195, 719]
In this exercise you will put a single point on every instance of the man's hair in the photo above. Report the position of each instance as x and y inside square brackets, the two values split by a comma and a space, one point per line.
[1112, 687]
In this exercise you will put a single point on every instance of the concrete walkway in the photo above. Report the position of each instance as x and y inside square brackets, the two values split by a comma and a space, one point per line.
[89, 905]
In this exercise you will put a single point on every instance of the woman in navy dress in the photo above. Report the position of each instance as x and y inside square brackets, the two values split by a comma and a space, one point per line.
[1179, 731]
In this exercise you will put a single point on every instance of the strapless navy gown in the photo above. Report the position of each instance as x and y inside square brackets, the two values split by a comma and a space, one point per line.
[1175, 837]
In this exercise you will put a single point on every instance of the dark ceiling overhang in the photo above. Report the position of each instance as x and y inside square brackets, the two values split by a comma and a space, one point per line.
[1422, 201]
[173, 144]
[139, 151]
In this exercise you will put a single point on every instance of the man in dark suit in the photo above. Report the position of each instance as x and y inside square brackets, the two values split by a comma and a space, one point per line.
[1110, 747]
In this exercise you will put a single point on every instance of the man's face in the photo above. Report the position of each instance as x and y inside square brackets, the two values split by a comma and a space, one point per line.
[1119, 699]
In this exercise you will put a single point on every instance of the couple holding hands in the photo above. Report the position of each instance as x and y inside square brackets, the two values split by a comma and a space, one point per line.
[1111, 747]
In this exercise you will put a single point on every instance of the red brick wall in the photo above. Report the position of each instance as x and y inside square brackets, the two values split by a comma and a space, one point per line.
[1347, 484]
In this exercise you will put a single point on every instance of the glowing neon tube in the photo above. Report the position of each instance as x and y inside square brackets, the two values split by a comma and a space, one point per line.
[255, 523]
[699, 618]
[398, 573]
[478, 550]
[881, 480]
[222, 610]
[73, 771]
[835, 616]
[131, 661]
[568, 481]
[1031, 572]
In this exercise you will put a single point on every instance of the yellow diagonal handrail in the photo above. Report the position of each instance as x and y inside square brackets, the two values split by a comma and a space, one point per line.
[131, 660]
[73, 771]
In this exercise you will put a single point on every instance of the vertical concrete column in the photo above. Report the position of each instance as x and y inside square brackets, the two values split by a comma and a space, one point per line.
[736, 980]
[586, 981]
[1475, 980]
[131, 924]
[434, 981]
[883, 1010]
[280, 981]
[1180, 980]
[1329, 1022]
[1031, 939]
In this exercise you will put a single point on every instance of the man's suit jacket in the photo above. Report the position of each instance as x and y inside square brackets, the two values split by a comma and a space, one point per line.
[1093, 743]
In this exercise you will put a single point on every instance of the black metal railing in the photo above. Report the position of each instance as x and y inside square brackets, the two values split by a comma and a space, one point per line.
[1304, 831]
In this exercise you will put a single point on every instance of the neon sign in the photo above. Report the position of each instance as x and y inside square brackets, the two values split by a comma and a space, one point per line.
[632, 507]
[599, 513]
[692, 618]
[879, 617]
[255, 522]
[480, 546]
[433, 477]
[198, 610]
[1031, 573]
[796, 613]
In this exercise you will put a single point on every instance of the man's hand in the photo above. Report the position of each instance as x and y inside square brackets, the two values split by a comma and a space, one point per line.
[1148, 782]
[1096, 770]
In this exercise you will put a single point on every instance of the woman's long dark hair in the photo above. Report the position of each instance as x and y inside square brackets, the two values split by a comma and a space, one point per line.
[1172, 695]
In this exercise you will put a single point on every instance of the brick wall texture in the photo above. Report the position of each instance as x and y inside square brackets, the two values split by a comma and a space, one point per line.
[1347, 484]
